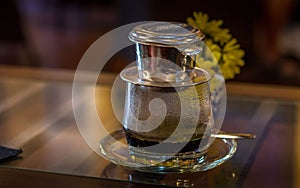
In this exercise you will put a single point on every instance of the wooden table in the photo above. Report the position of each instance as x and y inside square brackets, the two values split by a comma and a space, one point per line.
[36, 115]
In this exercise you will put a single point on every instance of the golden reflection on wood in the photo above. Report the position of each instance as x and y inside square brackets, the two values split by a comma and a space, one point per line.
[105, 109]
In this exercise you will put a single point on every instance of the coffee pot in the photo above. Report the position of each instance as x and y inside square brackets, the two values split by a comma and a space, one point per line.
[168, 116]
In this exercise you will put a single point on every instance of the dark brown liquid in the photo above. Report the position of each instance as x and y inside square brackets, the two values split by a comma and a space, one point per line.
[136, 140]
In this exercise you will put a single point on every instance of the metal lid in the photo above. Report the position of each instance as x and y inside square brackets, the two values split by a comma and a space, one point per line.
[165, 33]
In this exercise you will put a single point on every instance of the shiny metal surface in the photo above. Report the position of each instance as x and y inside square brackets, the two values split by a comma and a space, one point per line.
[234, 135]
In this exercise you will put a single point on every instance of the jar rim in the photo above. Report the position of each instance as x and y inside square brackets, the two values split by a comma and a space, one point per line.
[130, 75]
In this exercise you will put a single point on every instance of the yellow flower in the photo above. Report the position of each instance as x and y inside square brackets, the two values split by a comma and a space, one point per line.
[232, 59]
[221, 43]
[215, 49]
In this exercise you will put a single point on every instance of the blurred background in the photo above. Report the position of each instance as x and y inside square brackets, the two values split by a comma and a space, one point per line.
[56, 33]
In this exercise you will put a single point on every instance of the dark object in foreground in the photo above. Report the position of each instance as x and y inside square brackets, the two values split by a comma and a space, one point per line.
[8, 153]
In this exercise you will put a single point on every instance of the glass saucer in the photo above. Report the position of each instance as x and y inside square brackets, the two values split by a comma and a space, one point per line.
[115, 149]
